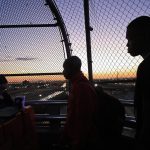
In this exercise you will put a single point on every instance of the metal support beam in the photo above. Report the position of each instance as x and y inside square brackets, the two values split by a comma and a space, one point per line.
[34, 74]
[29, 25]
[53, 7]
[88, 39]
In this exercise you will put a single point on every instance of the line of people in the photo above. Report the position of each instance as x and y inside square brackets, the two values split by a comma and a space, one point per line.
[80, 130]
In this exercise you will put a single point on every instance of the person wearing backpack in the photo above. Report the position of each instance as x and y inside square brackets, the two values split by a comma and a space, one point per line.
[110, 120]
[80, 131]
[94, 118]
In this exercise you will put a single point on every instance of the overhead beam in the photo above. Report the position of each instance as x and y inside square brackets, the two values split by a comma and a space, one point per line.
[29, 25]
[34, 74]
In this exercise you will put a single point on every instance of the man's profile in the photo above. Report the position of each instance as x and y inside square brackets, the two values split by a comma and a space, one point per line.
[138, 36]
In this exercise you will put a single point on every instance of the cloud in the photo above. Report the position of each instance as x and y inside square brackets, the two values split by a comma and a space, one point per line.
[25, 58]
[18, 59]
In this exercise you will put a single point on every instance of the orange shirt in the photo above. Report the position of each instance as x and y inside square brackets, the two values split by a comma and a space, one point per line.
[82, 109]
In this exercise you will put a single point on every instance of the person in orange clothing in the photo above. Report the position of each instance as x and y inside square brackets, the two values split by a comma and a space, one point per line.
[80, 130]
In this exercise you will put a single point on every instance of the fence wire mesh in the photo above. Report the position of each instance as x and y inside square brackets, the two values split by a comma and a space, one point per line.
[109, 20]
[41, 50]
[29, 50]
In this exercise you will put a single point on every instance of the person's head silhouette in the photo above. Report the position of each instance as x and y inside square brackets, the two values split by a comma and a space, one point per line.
[3, 83]
[138, 36]
[71, 66]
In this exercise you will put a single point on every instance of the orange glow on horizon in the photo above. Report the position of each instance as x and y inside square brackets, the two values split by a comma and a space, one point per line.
[115, 75]
[18, 79]
[45, 78]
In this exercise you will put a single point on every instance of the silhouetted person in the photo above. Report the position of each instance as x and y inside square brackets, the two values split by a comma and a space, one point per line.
[80, 130]
[5, 98]
[111, 118]
[138, 36]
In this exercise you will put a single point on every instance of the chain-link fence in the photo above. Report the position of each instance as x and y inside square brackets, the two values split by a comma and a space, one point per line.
[109, 19]
[41, 50]
[31, 49]
[110, 60]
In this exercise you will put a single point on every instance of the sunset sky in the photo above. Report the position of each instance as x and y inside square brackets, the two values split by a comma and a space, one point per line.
[39, 50]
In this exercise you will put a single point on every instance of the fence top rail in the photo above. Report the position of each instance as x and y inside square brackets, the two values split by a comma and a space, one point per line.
[127, 102]
[28, 25]
[61, 102]
[48, 102]
[34, 74]
[49, 117]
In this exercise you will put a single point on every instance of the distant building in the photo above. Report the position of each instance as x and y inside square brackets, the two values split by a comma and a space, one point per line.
[26, 83]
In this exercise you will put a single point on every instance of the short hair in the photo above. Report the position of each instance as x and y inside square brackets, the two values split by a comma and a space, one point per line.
[139, 26]
[73, 62]
[3, 80]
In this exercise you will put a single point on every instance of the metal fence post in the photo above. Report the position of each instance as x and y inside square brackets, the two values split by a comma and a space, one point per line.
[88, 39]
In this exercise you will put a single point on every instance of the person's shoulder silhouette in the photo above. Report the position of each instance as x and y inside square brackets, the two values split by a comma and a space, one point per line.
[138, 36]
[5, 98]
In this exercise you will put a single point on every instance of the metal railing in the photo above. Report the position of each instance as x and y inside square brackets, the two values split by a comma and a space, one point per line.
[129, 120]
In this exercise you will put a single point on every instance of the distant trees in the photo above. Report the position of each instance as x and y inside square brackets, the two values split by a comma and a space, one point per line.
[26, 83]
